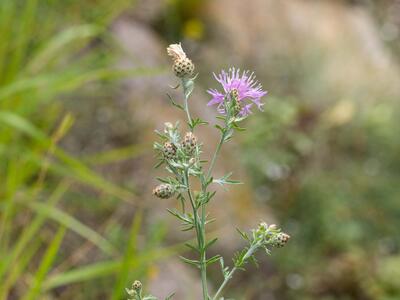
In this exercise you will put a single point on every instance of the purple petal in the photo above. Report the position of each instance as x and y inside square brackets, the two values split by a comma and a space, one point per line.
[245, 83]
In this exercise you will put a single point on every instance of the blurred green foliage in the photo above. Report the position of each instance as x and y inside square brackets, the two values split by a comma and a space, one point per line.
[331, 175]
[52, 50]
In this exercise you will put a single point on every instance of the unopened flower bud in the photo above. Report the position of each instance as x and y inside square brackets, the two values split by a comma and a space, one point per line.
[273, 227]
[263, 226]
[169, 150]
[163, 191]
[281, 239]
[168, 125]
[137, 285]
[189, 142]
[192, 161]
[183, 66]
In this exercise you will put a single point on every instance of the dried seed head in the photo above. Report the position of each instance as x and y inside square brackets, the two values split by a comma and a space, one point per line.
[163, 191]
[137, 285]
[183, 66]
[189, 143]
[281, 239]
[169, 150]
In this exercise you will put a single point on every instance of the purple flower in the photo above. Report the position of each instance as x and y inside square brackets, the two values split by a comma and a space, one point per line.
[245, 86]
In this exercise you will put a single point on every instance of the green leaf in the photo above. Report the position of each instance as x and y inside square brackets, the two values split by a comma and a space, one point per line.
[210, 243]
[220, 128]
[196, 122]
[254, 261]
[177, 105]
[190, 261]
[243, 234]
[213, 259]
[192, 247]
[225, 180]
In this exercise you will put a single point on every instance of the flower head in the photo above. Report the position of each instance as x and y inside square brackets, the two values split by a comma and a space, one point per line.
[239, 86]
[163, 191]
[182, 66]
[137, 285]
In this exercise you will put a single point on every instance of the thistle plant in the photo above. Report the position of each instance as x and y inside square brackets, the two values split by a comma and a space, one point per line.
[181, 154]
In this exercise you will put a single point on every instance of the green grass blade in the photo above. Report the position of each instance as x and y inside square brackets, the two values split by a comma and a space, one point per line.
[74, 225]
[110, 267]
[81, 171]
[59, 43]
[7, 13]
[114, 155]
[63, 82]
[129, 256]
[23, 36]
[45, 265]
[11, 185]
[29, 233]
[82, 274]
[18, 267]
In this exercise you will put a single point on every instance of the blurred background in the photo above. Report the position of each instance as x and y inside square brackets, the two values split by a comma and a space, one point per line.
[82, 87]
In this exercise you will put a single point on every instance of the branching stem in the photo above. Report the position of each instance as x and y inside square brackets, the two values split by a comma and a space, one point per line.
[247, 255]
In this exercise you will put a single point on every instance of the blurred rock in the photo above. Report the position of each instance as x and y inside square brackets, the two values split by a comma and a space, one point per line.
[148, 10]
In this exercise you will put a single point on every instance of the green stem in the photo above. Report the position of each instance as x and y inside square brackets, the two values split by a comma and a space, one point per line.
[248, 254]
[214, 159]
[186, 105]
[188, 113]
[199, 224]
[200, 232]
[227, 278]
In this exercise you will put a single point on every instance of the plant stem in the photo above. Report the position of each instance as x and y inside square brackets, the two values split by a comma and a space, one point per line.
[248, 254]
[188, 113]
[186, 105]
[200, 232]
[199, 224]
[217, 150]
[227, 278]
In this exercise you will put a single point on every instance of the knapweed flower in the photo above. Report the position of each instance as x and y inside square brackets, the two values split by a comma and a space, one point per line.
[183, 66]
[241, 87]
